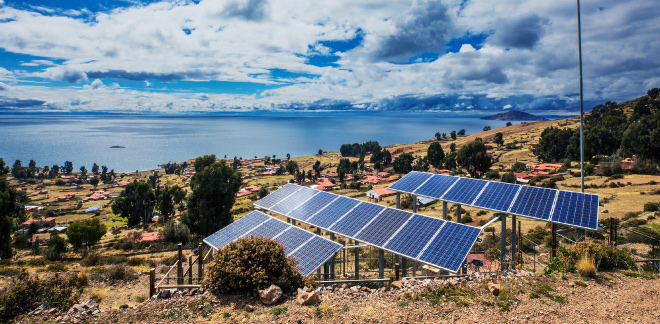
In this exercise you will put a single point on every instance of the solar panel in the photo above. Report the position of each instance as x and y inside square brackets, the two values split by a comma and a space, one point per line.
[332, 213]
[464, 191]
[413, 236]
[534, 202]
[275, 197]
[314, 253]
[236, 229]
[293, 238]
[436, 186]
[310, 207]
[383, 227]
[497, 196]
[410, 182]
[297, 198]
[269, 228]
[450, 247]
[354, 220]
[576, 209]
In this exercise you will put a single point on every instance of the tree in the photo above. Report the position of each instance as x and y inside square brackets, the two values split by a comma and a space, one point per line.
[213, 195]
[435, 155]
[85, 233]
[450, 161]
[508, 124]
[263, 192]
[68, 167]
[168, 198]
[474, 158]
[518, 167]
[320, 152]
[486, 128]
[509, 177]
[136, 202]
[438, 136]
[461, 132]
[56, 246]
[288, 156]
[452, 147]
[421, 164]
[94, 181]
[11, 208]
[499, 139]
[653, 93]
[453, 135]
[95, 168]
[83, 172]
[555, 145]
[292, 167]
[205, 161]
[153, 180]
[175, 232]
[403, 163]
[387, 157]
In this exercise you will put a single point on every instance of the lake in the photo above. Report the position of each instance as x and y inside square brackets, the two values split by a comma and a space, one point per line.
[152, 140]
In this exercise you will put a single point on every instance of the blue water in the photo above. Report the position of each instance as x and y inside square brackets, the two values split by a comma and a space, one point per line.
[153, 140]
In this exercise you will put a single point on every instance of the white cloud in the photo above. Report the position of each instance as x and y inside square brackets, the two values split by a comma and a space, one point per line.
[243, 40]
[507, 107]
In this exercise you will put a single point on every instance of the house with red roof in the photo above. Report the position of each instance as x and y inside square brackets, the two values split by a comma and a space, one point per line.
[331, 175]
[252, 188]
[377, 194]
[325, 182]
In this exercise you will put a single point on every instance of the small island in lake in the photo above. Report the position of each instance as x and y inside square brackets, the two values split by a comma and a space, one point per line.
[514, 115]
[117, 146]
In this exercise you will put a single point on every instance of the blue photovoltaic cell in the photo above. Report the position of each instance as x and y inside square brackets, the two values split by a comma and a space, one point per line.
[383, 227]
[331, 214]
[436, 186]
[577, 209]
[309, 208]
[289, 203]
[534, 202]
[269, 228]
[464, 191]
[356, 219]
[590, 214]
[236, 229]
[275, 197]
[497, 196]
[314, 253]
[410, 181]
[293, 238]
[450, 247]
[413, 236]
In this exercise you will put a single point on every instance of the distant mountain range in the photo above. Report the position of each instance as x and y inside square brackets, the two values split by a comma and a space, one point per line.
[514, 115]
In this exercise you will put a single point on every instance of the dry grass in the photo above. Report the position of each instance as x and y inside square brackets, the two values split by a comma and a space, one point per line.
[98, 294]
[586, 266]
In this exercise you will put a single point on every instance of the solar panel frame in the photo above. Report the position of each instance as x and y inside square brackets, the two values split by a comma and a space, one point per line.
[389, 221]
[402, 243]
[356, 219]
[236, 229]
[315, 204]
[293, 238]
[450, 246]
[286, 205]
[276, 196]
[270, 228]
[569, 202]
[330, 214]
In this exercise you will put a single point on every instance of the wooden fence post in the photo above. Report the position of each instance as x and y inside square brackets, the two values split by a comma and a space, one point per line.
[200, 263]
[190, 269]
[152, 282]
[179, 267]
[396, 272]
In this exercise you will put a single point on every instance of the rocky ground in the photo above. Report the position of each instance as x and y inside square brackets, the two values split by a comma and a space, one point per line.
[514, 298]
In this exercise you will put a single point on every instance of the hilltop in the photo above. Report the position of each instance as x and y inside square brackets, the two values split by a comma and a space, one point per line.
[515, 115]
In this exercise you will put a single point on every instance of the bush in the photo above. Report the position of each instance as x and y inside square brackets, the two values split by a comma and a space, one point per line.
[605, 258]
[586, 266]
[61, 293]
[56, 247]
[57, 267]
[21, 241]
[120, 272]
[509, 177]
[466, 219]
[649, 207]
[175, 232]
[248, 264]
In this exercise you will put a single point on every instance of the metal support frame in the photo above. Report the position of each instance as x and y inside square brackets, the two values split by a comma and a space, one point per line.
[404, 267]
[458, 213]
[398, 200]
[503, 239]
[332, 260]
[414, 204]
[580, 232]
[414, 268]
[553, 247]
[357, 261]
[381, 263]
[318, 271]
[444, 210]
[514, 240]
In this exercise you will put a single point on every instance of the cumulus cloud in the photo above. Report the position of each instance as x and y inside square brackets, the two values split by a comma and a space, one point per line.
[520, 32]
[247, 9]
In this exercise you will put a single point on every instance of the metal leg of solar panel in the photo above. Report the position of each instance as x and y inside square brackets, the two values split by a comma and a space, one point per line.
[381, 263]
[398, 200]
[357, 261]
[414, 268]
[332, 260]
[414, 203]
[318, 271]
[503, 245]
[513, 240]
[444, 210]
[404, 267]
[458, 213]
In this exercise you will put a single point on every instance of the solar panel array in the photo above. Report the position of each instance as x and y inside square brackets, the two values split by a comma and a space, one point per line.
[310, 250]
[414, 236]
[558, 206]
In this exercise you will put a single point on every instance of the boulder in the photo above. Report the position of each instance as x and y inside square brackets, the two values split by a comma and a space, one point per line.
[270, 295]
[308, 298]
[164, 294]
[123, 306]
[365, 289]
[494, 288]
[249, 308]
[396, 284]
[344, 286]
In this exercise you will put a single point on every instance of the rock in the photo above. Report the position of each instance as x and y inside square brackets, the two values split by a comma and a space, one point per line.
[123, 306]
[308, 298]
[270, 295]
[164, 294]
[344, 286]
[52, 311]
[35, 305]
[383, 289]
[36, 312]
[604, 211]
[249, 308]
[365, 289]
[336, 289]
[494, 288]
[396, 284]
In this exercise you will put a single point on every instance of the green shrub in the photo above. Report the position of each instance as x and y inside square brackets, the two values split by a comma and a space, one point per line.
[556, 265]
[175, 232]
[466, 219]
[59, 292]
[21, 240]
[57, 267]
[56, 247]
[605, 257]
[120, 272]
[248, 264]
[649, 207]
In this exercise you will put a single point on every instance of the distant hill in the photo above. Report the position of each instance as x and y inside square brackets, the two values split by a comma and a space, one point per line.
[514, 115]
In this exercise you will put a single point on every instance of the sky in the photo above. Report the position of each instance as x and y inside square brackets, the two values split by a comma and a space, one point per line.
[466, 57]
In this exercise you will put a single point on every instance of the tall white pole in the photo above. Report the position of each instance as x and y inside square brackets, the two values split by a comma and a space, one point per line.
[581, 109]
